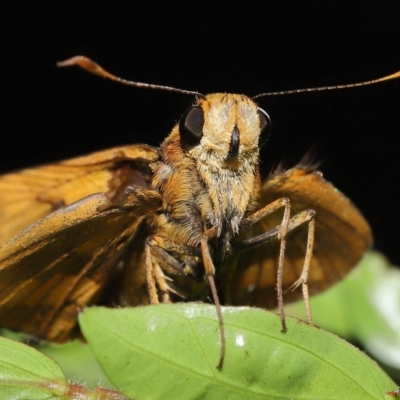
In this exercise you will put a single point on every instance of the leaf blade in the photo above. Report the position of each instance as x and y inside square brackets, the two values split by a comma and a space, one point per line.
[25, 373]
[174, 349]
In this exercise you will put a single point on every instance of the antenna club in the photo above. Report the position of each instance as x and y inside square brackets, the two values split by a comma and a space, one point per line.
[91, 66]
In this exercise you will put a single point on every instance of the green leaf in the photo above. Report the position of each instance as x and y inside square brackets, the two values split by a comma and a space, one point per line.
[171, 351]
[365, 306]
[26, 374]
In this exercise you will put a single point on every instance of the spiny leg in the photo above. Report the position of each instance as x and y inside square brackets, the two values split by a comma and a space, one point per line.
[303, 280]
[294, 222]
[168, 245]
[162, 284]
[281, 235]
[165, 262]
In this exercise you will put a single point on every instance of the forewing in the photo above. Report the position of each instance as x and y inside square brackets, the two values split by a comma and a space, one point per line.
[32, 193]
[342, 235]
[61, 263]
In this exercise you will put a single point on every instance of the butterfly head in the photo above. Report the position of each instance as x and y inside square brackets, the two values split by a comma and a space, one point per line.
[224, 131]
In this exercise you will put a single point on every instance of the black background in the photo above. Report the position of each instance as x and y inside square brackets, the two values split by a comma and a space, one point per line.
[244, 47]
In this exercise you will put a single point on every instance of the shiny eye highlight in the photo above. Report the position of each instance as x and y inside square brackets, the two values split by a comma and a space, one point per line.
[265, 127]
[191, 126]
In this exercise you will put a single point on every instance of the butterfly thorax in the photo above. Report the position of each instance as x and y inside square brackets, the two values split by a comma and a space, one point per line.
[203, 186]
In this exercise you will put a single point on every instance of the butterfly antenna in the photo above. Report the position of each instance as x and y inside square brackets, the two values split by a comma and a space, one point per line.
[88, 65]
[320, 89]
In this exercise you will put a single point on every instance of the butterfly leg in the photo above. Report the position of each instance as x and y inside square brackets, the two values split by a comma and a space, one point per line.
[303, 280]
[165, 244]
[204, 252]
[162, 284]
[210, 272]
[280, 232]
[281, 235]
[165, 262]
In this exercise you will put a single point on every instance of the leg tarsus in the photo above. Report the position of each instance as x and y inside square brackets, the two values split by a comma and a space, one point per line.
[210, 272]
[220, 319]
[280, 232]
[303, 280]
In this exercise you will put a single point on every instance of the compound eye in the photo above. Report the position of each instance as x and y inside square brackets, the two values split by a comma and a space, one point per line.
[191, 126]
[265, 127]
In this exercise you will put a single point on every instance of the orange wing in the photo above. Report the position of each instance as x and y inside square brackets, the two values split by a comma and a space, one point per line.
[342, 235]
[32, 193]
[60, 264]
[65, 261]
